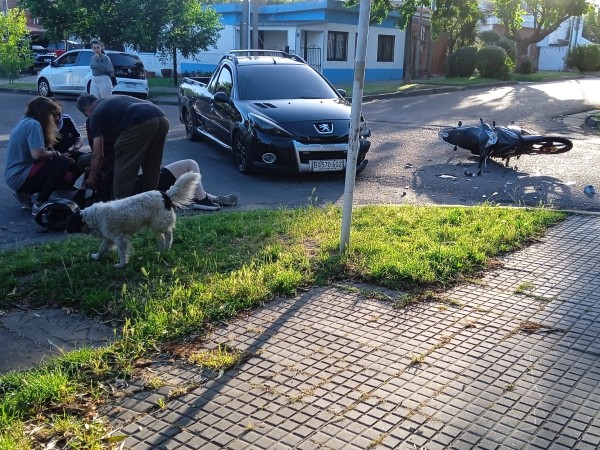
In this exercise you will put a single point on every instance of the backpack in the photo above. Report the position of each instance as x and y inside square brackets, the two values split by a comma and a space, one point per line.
[54, 214]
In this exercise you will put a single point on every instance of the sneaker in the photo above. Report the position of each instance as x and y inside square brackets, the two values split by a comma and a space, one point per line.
[223, 200]
[24, 199]
[205, 204]
[36, 208]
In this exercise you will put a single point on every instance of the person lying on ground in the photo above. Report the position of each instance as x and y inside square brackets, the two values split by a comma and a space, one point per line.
[202, 200]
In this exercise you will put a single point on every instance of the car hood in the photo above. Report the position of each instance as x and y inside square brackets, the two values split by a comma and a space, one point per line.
[301, 110]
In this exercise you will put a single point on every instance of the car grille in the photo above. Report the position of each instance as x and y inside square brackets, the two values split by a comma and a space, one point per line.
[320, 151]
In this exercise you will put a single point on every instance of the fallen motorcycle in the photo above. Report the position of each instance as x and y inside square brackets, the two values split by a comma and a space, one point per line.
[502, 142]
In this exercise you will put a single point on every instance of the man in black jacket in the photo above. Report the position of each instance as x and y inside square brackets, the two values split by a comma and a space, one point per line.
[139, 130]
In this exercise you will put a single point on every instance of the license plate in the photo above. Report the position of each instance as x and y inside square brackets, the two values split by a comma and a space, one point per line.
[130, 85]
[47, 59]
[327, 165]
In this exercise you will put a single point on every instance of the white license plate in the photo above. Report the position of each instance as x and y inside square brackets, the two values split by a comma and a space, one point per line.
[131, 85]
[327, 165]
[47, 59]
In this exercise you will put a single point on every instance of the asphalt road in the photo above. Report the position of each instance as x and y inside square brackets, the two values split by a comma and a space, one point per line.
[406, 158]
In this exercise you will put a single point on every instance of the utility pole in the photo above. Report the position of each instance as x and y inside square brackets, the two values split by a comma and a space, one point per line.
[255, 5]
[245, 28]
[354, 141]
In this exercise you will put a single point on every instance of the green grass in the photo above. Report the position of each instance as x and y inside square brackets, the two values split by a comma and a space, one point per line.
[222, 265]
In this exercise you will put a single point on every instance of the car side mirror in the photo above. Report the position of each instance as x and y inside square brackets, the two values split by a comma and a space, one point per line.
[221, 97]
[342, 92]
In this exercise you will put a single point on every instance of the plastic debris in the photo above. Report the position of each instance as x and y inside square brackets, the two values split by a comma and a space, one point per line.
[444, 176]
[408, 166]
[589, 190]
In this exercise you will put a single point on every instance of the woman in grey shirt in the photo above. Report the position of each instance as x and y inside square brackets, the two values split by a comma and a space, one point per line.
[102, 71]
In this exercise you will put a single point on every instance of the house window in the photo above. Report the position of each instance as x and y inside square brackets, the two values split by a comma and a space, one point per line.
[337, 46]
[385, 48]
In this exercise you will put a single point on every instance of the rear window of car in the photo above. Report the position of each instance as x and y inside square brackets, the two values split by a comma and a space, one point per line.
[277, 82]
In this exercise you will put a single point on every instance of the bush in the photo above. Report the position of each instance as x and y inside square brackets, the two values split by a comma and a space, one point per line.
[510, 47]
[585, 58]
[462, 62]
[526, 65]
[489, 37]
[492, 62]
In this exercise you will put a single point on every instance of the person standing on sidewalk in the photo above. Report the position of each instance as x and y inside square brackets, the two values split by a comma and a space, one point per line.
[139, 129]
[102, 72]
[32, 166]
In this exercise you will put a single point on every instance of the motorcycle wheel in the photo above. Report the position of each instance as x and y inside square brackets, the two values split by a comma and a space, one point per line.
[551, 146]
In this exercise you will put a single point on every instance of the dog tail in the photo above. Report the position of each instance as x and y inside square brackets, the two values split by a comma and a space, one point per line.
[184, 188]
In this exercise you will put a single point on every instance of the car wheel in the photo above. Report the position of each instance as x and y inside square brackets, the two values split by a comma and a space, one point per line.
[190, 128]
[44, 88]
[240, 153]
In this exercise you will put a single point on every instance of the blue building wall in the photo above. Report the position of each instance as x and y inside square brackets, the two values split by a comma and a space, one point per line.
[310, 12]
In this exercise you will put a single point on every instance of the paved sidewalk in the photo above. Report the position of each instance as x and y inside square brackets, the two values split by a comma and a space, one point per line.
[508, 361]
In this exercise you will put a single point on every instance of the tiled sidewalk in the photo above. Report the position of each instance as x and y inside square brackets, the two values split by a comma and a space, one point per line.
[508, 361]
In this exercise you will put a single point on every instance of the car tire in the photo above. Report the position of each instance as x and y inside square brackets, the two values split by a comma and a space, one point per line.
[43, 88]
[190, 126]
[88, 88]
[240, 153]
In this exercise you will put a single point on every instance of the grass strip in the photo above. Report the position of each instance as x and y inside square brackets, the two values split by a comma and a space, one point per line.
[221, 265]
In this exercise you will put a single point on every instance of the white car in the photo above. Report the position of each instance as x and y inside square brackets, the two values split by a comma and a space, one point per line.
[70, 73]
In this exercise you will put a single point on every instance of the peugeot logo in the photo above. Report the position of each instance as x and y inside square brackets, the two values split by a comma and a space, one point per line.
[324, 128]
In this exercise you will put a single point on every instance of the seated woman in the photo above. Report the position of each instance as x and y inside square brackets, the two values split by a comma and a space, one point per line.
[70, 143]
[32, 166]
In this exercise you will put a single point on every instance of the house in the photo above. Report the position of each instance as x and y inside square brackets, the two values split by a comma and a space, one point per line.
[549, 53]
[323, 32]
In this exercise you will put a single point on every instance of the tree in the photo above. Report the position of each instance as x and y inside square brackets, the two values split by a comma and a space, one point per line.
[15, 54]
[459, 18]
[547, 16]
[591, 25]
[144, 24]
[191, 28]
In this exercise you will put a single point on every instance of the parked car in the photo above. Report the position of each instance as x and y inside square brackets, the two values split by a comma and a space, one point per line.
[41, 58]
[60, 47]
[71, 74]
[273, 111]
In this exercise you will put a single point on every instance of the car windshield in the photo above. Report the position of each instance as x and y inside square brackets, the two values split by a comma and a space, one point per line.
[278, 82]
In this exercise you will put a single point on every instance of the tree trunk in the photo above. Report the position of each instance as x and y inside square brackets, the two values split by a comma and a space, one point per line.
[408, 52]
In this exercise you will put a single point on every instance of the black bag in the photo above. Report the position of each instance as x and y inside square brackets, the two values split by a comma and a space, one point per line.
[55, 213]
[113, 80]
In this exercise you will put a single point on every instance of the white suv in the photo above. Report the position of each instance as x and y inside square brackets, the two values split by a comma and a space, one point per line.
[71, 74]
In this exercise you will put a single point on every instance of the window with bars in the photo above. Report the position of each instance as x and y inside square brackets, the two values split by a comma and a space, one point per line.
[337, 46]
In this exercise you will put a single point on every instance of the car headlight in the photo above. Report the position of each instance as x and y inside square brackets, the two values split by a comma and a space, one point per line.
[266, 126]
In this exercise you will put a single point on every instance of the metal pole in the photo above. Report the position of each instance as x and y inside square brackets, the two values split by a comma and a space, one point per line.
[353, 143]
[255, 5]
[245, 28]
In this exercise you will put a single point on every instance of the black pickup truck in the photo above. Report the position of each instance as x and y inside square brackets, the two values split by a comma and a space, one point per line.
[273, 111]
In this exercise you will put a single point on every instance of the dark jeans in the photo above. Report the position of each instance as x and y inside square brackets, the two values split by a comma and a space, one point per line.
[140, 145]
[49, 175]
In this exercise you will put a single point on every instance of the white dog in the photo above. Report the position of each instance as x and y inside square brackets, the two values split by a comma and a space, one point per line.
[116, 221]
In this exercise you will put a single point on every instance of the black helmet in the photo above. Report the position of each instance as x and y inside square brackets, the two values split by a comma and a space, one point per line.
[55, 213]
